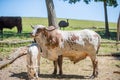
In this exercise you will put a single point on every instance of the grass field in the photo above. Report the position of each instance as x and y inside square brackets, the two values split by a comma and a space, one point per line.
[11, 36]
[73, 24]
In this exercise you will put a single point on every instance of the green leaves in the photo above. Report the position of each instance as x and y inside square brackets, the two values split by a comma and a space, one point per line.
[108, 2]
[72, 1]
[112, 3]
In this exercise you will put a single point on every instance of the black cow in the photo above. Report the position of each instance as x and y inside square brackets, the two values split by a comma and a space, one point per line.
[10, 22]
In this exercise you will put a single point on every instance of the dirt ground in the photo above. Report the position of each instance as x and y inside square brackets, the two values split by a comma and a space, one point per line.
[109, 69]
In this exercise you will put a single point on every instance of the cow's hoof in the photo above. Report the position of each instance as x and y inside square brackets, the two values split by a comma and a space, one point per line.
[60, 73]
[38, 72]
[54, 73]
[92, 77]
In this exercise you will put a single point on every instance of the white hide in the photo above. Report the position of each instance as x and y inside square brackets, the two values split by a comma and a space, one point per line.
[88, 43]
[33, 60]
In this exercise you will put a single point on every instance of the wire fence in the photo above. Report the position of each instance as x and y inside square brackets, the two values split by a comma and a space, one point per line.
[15, 44]
[107, 48]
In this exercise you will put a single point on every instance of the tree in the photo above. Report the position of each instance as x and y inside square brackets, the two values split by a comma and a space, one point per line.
[51, 13]
[118, 28]
[106, 3]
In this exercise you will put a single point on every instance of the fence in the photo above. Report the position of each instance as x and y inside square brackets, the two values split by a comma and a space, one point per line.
[2, 43]
[26, 42]
[107, 48]
[15, 44]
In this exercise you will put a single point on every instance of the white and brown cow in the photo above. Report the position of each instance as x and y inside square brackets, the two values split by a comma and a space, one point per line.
[33, 61]
[76, 45]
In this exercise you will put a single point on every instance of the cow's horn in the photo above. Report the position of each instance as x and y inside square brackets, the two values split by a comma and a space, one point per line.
[32, 26]
[51, 28]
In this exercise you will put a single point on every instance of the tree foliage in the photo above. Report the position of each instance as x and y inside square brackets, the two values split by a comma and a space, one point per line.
[108, 2]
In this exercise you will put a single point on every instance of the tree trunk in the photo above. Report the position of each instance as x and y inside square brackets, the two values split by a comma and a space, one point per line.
[118, 28]
[118, 31]
[107, 33]
[51, 13]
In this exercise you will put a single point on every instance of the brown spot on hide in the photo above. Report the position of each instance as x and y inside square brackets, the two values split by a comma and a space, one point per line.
[51, 45]
[76, 50]
[54, 39]
[74, 37]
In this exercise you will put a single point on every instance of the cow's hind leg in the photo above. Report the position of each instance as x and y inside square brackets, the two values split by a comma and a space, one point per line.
[19, 28]
[95, 67]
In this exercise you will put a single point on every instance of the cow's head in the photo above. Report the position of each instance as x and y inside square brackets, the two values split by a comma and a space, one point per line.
[44, 38]
[40, 31]
[31, 72]
[37, 29]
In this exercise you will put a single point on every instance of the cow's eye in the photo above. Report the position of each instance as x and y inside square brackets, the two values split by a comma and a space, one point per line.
[45, 35]
[37, 32]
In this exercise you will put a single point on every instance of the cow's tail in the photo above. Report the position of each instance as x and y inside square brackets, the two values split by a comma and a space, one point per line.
[99, 42]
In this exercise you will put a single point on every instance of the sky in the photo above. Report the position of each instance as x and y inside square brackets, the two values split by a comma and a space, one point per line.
[80, 10]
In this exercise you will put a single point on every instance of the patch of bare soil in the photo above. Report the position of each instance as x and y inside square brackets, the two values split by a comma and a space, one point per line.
[109, 69]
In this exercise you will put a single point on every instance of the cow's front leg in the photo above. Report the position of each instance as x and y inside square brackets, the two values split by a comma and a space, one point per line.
[60, 60]
[55, 67]
[39, 63]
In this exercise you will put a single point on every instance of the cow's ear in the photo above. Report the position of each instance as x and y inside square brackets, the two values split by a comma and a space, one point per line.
[32, 26]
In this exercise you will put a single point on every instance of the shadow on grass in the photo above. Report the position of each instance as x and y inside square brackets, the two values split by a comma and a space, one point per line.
[64, 76]
[14, 35]
[23, 75]
[113, 35]
[116, 55]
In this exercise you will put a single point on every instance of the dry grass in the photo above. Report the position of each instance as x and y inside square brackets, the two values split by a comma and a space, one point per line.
[109, 69]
